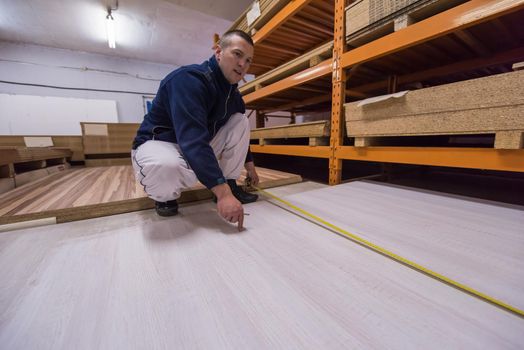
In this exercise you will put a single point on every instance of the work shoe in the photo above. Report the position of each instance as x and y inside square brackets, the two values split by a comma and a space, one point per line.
[243, 196]
[168, 208]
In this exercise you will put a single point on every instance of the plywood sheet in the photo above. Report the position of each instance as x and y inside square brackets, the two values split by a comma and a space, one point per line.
[192, 281]
[476, 243]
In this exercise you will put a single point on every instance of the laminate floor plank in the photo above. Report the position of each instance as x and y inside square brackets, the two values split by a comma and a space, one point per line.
[474, 242]
[56, 194]
[136, 281]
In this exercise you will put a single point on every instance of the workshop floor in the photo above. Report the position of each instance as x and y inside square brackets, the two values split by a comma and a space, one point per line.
[136, 280]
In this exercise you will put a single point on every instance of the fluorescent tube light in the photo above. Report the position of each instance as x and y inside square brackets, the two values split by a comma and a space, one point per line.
[110, 21]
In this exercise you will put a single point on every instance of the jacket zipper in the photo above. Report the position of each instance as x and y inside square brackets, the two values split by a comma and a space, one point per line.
[225, 112]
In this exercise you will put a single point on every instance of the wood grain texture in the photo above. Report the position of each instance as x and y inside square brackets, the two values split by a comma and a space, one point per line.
[80, 193]
[138, 281]
[474, 242]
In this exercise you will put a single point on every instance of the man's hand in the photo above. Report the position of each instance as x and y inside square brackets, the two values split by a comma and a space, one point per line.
[228, 206]
[252, 173]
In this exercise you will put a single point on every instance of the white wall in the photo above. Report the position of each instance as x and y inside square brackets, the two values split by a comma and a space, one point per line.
[32, 64]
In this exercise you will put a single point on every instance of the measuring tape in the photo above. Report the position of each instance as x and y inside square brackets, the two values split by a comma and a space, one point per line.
[399, 258]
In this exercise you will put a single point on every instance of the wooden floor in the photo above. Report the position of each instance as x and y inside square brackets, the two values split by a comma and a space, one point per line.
[136, 280]
[82, 193]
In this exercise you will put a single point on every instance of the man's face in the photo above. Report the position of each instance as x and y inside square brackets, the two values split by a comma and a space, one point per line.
[235, 59]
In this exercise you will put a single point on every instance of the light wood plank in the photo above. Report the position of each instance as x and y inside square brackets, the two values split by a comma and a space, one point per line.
[140, 281]
[473, 242]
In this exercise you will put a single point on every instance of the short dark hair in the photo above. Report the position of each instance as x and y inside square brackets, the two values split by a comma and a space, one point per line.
[225, 40]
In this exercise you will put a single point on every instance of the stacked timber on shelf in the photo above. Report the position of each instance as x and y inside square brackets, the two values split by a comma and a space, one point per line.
[249, 22]
[309, 59]
[108, 143]
[303, 41]
[367, 20]
[317, 133]
[21, 165]
[489, 105]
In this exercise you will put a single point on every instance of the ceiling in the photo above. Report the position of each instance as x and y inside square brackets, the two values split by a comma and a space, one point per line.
[175, 32]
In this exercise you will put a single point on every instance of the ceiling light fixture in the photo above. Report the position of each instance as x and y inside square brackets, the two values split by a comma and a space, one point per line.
[111, 40]
[110, 22]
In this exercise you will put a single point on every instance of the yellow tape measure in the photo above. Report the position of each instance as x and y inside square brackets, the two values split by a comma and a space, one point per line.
[399, 258]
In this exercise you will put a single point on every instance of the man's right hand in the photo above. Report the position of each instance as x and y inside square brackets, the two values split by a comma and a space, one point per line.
[228, 206]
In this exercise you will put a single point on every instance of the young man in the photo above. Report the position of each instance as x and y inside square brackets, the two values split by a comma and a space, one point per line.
[197, 130]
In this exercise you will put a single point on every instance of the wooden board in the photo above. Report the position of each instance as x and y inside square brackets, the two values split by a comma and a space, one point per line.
[287, 69]
[312, 129]
[367, 20]
[192, 281]
[478, 106]
[477, 243]
[9, 154]
[74, 143]
[108, 138]
[81, 193]
[268, 8]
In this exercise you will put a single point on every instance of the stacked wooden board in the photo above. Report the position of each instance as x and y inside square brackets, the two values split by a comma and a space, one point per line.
[74, 143]
[309, 59]
[21, 165]
[489, 105]
[268, 8]
[108, 143]
[367, 20]
[317, 133]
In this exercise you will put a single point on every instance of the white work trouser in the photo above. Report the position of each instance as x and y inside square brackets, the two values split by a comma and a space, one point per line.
[161, 168]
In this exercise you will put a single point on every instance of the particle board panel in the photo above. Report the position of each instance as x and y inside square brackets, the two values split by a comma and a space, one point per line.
[140, 281]
[80, 193]
[312, 129]
[474, 242]
[484, 105]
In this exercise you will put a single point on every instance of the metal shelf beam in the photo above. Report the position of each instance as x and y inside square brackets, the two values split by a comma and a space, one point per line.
[466, 15]
[322, 69]
[300, 151]
[472, 158]
[280, 18]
